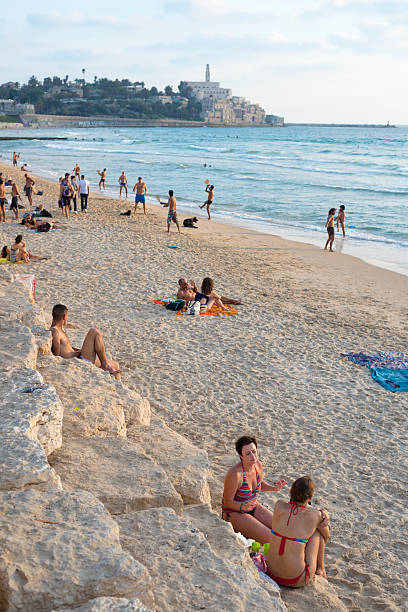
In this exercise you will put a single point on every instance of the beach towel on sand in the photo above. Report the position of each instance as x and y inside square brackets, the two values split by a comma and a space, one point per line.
[392, 380]
[389, 369]
[214, 310]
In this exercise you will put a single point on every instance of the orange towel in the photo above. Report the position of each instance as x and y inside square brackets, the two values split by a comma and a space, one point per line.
[214, 310]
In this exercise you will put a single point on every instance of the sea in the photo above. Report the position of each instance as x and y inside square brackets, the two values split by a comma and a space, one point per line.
[279, 181]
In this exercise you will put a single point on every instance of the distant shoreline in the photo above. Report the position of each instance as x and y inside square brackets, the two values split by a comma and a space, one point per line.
[347, 125]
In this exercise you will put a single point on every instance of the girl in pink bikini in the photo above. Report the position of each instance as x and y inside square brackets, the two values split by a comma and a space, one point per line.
[243, 482]
[298, 537]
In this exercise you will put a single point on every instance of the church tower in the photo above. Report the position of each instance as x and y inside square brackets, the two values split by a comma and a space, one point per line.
[207, 73]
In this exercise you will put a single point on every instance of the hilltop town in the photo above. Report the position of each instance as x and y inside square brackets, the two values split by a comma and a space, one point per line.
[88, 103]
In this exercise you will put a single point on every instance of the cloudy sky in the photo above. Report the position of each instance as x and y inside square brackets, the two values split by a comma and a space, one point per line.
[309, 60]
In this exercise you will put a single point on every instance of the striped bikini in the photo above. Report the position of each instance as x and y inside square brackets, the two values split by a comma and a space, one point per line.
[244, 494]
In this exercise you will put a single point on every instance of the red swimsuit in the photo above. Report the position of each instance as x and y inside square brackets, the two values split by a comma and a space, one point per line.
[289, 581]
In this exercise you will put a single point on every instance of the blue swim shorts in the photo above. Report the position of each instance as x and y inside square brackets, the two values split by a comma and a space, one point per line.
[139, 198]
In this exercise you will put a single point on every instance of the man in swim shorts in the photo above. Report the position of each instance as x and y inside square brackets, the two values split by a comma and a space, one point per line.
[210, 190]
[93, 347]
[103, 179]
[172, 216]
[141, 191]
[123, 184]
[15, 197]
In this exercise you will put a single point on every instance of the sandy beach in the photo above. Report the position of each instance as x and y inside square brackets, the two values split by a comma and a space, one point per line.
[274, 370]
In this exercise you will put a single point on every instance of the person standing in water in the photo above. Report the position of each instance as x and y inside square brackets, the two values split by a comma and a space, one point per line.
[210, 190]
[123, 182]
[330, 229]
[341, 219]
[103, 179]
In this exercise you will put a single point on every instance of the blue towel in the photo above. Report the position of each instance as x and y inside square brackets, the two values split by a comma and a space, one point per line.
[392, 380]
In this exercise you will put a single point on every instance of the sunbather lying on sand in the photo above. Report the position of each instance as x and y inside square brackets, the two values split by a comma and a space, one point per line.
[189, 291]
[93, 347]
[298, 537]
[242, 483]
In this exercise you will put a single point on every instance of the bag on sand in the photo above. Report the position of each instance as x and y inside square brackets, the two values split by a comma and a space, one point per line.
[177, 305]
[193, 307]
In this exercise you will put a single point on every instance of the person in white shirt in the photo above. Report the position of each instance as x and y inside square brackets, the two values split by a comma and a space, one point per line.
[84, 193]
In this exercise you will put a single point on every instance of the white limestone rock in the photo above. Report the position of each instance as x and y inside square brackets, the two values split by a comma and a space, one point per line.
[117, 472]
[60, 549]
[186, 465]
[30, 428]
[109, 604]
[30, 407]
[187, 574]
[91, 405]
[18, 348]
[220, 534]
[23, 465]
[19, 307]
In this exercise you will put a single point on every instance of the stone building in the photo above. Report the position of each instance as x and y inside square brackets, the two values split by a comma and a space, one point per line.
[220, 106]
[11, 107]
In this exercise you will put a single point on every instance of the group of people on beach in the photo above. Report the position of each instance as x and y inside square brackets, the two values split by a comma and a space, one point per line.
[296, 533]
[331, 220]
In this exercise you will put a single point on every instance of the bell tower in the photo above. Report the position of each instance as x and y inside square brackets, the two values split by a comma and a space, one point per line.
[207, 73]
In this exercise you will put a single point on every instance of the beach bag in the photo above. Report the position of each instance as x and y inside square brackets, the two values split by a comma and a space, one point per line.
[193, 307]
[177, 305]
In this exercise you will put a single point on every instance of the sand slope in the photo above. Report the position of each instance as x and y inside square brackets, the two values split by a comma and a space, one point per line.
[274, 370]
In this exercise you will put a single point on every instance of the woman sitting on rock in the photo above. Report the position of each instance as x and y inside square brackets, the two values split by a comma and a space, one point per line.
[242, 483]
[299, 536]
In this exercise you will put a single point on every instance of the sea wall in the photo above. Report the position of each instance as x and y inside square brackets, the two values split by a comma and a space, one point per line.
[102, 505]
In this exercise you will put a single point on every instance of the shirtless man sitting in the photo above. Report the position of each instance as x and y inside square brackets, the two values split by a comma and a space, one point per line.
[93, 347]
[188, 291]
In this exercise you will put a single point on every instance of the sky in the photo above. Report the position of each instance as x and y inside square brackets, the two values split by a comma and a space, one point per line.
[342, 61]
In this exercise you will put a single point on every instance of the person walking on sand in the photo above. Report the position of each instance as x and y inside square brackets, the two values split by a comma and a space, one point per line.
[210, 190]
[3, 201]
[29, 188]
[341, 219]
[123, 182]
[76, 193]
[141, 190]
[16, 157]
[172, 216]
[93, 347]
[67, 195]
[102, 179]
[84, 193]
[15, 197]
[330, 229]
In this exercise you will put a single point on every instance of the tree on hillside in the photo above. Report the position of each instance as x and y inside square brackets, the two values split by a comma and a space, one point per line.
[185, 90]
[168, 90]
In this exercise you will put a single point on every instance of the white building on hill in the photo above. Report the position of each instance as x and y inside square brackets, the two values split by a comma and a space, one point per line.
[219, 106]
[208, 88]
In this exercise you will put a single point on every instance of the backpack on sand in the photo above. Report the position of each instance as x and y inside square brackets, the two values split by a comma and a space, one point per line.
[177, 305]
[193, 307]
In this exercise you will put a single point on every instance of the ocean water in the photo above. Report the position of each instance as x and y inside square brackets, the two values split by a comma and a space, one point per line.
[277, 180]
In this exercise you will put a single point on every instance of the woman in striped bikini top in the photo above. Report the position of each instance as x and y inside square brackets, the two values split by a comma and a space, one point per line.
[243, 482]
